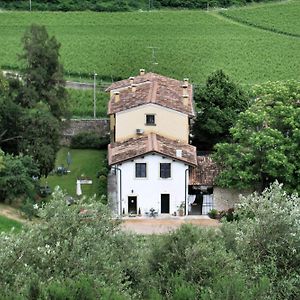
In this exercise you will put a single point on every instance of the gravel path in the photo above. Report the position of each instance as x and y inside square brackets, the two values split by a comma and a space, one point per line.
[163, 225]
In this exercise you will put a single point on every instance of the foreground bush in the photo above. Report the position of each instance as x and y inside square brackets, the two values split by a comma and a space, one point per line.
[70, 242]
[266, 239]
[78, 252]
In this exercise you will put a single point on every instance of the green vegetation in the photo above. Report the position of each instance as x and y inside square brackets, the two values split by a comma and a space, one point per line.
[79, 252]
[82, 103]
[265, 140]
[280, 17]
[189, 44]
[6, 225]
[84, 162]
[113, 5]
[220, 101]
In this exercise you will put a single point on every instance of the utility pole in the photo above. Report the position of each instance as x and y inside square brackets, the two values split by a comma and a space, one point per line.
[95, 74]
[30, 5]
[153, 61]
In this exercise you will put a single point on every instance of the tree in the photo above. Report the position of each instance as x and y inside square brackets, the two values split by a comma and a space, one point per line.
[265, 140]
[40, 132]
[16, 176]
[220, 101]
[43, 74]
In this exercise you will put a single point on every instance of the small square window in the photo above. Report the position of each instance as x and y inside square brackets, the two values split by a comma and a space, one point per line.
[165, 170]
[140, 170]
[150, 119]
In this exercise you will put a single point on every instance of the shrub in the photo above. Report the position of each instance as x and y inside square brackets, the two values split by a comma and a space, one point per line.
[89, 140]
[227, 215]
[213, 213]
[266, 238]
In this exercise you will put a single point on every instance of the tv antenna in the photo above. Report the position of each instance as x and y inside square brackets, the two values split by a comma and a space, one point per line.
[153, 58]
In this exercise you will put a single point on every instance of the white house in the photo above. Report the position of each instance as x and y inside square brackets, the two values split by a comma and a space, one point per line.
[149, 152]
[153, 173]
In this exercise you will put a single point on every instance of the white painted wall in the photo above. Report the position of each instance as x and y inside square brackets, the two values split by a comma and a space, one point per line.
[148, 190]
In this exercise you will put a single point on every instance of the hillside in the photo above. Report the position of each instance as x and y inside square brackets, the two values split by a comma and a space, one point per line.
[189, 44]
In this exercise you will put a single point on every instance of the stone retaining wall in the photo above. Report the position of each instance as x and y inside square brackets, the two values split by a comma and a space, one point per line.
[75, 126]
[227, 198]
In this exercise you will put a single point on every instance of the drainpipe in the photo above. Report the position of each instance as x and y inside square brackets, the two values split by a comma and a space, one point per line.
[118, 169]
[185, 186]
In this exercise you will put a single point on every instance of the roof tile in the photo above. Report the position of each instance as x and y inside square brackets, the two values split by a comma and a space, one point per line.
[122, 151]
[205, 172]
[151, 88]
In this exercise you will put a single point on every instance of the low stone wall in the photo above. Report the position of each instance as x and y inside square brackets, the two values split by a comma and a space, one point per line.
[75, 126]
[227, 198]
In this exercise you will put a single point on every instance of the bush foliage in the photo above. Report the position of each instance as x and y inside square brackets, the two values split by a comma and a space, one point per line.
[89, 140]
[79, 252]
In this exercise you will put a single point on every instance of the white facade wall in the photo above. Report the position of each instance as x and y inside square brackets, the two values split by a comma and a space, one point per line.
[148, 190]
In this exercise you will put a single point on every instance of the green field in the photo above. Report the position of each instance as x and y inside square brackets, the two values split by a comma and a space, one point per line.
[82, 103]
[279, 17]
[84, 162]
[189, 44]
[7, 225]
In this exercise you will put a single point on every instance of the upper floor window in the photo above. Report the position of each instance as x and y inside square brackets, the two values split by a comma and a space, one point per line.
[150, 119]
[140, 170]
[165, 170]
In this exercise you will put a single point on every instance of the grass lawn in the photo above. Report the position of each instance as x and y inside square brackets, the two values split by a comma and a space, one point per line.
[7, 224]
[84, 162]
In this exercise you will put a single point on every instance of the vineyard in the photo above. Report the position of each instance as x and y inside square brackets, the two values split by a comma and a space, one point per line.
[281, 18]
[188, 44]
[82, 103]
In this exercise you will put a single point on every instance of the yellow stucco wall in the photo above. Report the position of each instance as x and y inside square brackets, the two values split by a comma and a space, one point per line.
[169, 123]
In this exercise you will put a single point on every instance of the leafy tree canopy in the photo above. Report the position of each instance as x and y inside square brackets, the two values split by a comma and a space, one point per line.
[265, 140]
[220, 101]
[16, 176]
[43, 72]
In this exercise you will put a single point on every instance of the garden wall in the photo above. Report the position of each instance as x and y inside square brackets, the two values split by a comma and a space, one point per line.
[227, 198]
[75, 126]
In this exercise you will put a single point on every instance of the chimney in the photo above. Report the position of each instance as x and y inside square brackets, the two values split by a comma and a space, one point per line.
[131, 80]
[133, 88]
[178, 153]
[186, 81]
[142, 72]
[184, 90]
[117, 96]
[186, 100]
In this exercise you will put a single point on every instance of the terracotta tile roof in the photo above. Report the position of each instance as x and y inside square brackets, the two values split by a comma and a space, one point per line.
[122, 151]
[205, 172]
[151, 88]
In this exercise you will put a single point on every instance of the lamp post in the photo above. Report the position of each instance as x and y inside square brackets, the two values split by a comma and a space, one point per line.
[95, 74]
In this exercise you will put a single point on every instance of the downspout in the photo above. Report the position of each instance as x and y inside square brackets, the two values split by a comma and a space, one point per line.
[118, 169]
[185, 186]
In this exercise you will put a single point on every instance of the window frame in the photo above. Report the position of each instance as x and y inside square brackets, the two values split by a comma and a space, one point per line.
[161, 171]
[150, 123]
[140, 170]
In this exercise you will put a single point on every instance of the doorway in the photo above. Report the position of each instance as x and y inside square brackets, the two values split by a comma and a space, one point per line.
[132, 205]
[165, 203]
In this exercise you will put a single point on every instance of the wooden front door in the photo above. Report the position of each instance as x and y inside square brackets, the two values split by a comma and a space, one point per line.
[132, 205]
[165, 203]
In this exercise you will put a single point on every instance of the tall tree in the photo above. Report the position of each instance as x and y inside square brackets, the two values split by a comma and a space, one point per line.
[265, 140]
[219, 102]
[43, 74]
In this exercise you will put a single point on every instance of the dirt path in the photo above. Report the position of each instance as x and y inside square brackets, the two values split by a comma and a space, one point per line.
[157, 226]
[11, 213]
